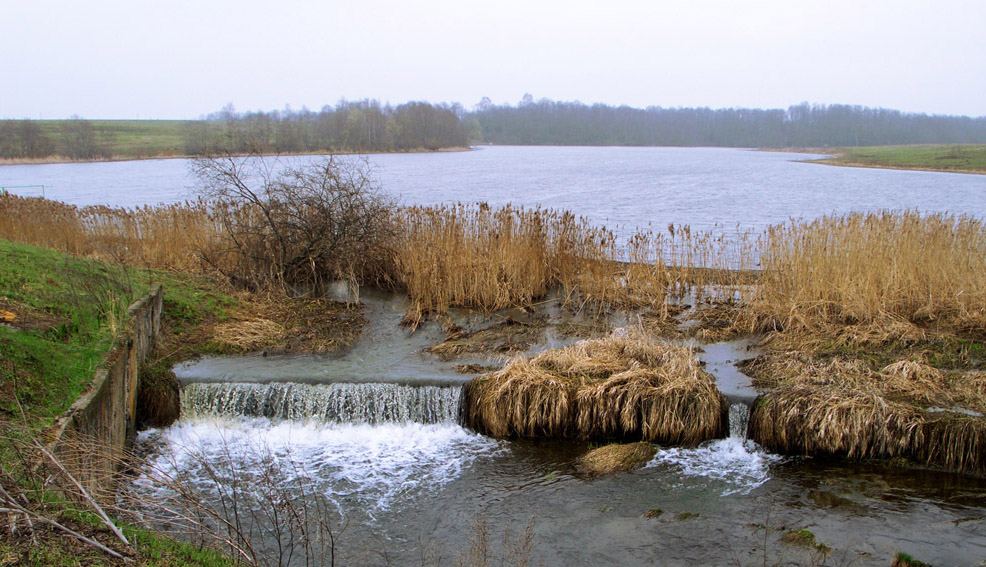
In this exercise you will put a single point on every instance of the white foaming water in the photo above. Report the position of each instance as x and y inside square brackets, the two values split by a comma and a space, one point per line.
[340, 402]
[355, 466]
[740, 463]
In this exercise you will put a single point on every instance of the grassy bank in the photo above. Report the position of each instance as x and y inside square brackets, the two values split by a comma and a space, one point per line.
[60, 316]
[965, 158]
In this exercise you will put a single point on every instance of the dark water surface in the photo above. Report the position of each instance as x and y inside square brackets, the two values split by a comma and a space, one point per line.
[620, 187]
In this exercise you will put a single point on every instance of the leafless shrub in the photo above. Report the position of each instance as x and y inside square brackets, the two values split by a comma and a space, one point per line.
[514, 550]
[296, 225]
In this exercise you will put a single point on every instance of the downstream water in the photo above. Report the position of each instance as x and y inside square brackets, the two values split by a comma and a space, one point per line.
[619, 187]
[405, 490]
[403, 483]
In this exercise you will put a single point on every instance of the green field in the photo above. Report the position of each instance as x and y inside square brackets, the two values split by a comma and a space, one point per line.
[131, 138]
[958, 158]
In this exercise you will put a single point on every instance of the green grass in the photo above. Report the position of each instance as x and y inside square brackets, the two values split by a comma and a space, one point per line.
[148, 549]
[69, 310]
[130, 138]
[957, 158]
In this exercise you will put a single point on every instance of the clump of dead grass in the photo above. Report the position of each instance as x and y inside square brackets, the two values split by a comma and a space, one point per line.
[623, 386]
[249, 335]
[838, 405]
[615, 458]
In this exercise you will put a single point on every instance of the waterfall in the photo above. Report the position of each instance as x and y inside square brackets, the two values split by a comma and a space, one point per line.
[337, 402]
[739, 419]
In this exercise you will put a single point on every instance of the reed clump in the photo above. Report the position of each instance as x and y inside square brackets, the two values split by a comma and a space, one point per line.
[866, 269]
[475, 257]
[489, 259]
[840, 406]
[171, 237]
[626, 385]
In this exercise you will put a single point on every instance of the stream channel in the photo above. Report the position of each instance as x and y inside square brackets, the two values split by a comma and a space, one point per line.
[371, 441]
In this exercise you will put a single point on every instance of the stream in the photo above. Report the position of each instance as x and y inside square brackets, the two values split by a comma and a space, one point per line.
[370, 441]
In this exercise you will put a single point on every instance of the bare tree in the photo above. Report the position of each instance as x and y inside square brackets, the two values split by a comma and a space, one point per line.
[296, 225]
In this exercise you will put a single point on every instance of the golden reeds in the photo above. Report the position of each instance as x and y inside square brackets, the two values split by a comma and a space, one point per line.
[489, 259]
[622, 386]
[165, 237]
[442, 257]
[866, 268]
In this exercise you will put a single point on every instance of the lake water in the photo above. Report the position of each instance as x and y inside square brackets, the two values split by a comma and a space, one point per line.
[620, 187]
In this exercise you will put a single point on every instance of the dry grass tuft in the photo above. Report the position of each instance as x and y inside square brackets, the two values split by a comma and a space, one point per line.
[615, 458]
[622, 386]
[249, 335]
[840, 406]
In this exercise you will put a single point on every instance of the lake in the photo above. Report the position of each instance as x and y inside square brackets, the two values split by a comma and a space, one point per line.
[620, 187]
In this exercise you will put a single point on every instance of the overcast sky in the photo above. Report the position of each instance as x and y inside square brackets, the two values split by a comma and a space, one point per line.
[183, 59]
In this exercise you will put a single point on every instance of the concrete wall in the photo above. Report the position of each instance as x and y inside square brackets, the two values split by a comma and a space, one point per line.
[91, 439]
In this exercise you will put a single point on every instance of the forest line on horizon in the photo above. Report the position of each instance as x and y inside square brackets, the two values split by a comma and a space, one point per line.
[369, 125]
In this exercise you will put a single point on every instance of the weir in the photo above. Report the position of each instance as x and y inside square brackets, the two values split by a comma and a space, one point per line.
[370, 403]
[739, 418]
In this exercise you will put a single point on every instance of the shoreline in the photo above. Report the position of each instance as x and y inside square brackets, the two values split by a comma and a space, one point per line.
[55, 160]
[832, 161]
[842, 157]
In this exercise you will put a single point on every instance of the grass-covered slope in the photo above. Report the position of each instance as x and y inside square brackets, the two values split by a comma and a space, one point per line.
[965, 158]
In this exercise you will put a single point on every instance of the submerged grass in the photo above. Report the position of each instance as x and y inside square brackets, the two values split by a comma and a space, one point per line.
[622, 386]
[615, 458]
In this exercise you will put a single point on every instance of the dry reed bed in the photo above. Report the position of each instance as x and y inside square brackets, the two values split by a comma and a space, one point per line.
[619, 387]
[840, 406]
[868, 268]
[462, 255]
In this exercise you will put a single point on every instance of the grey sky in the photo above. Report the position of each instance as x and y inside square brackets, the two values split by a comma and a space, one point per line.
[182, 59]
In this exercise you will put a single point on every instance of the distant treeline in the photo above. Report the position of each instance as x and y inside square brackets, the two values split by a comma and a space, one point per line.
[361, 126]
[349, 126]
[572, 123]
[369, 126]
[74, 139]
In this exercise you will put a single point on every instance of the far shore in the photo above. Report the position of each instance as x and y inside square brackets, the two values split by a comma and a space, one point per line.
[61, 159]
[950, 158]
